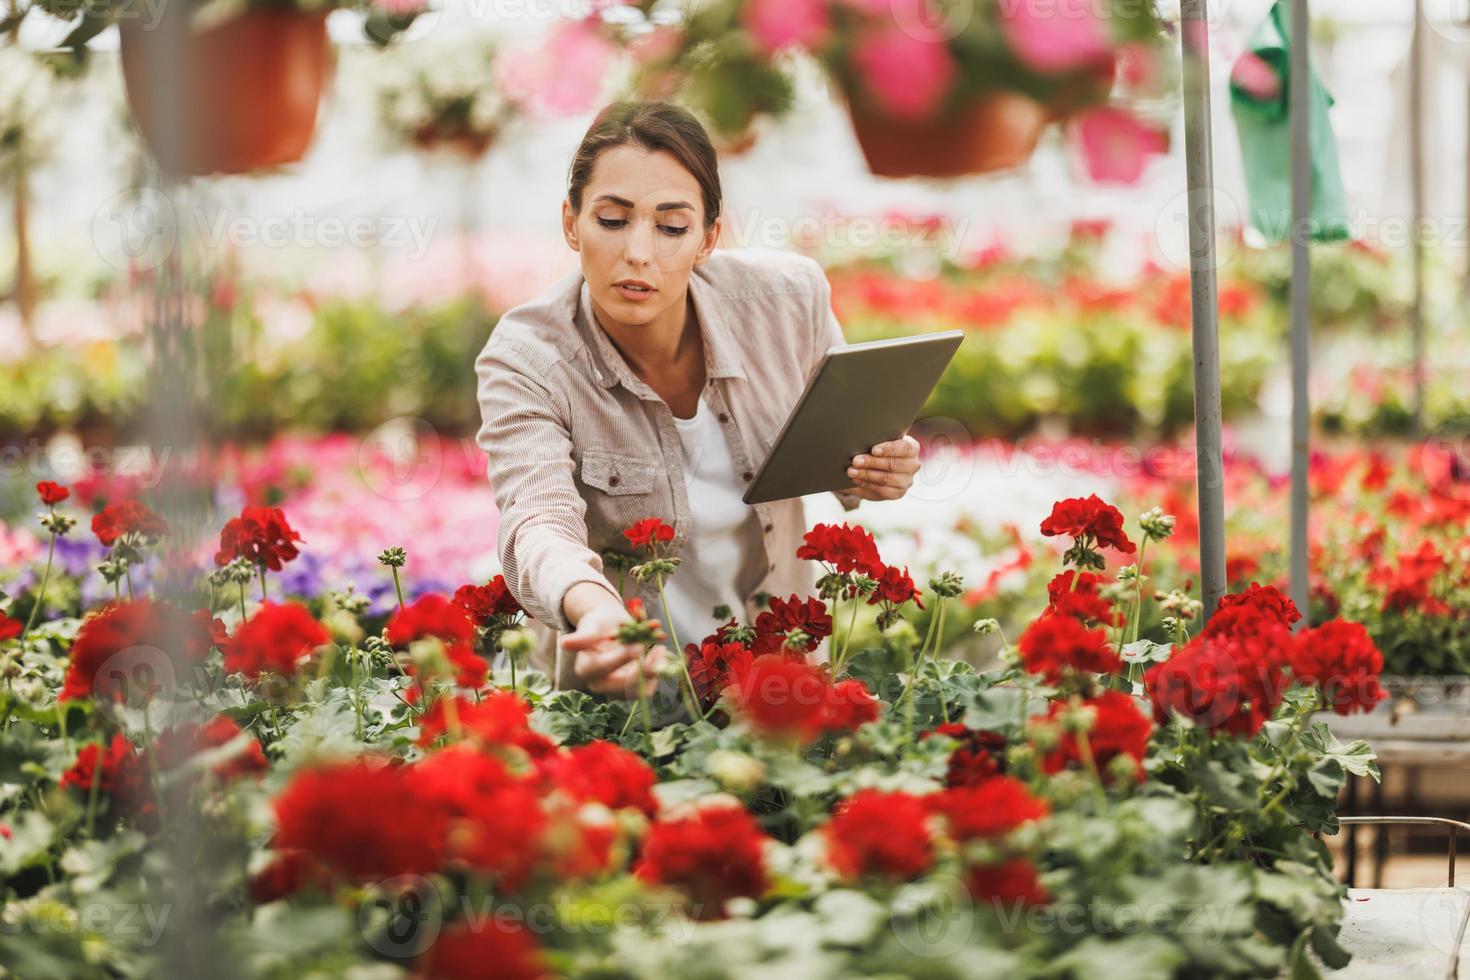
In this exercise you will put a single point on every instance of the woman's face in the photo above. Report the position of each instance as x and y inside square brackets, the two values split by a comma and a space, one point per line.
[642, 222]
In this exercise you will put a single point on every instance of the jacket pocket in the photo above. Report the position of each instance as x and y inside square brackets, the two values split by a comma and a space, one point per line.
[618, 474]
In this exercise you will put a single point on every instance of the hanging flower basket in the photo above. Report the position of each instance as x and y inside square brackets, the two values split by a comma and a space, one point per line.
[233, 97]
[997, 132]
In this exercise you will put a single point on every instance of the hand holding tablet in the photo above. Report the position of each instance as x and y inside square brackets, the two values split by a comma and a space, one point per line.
[859, 397]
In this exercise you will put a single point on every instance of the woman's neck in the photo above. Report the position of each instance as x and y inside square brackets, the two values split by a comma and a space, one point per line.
[667, 353]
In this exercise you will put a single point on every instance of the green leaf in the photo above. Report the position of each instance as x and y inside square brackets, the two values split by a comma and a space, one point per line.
[1146, 652]
[1138, 957]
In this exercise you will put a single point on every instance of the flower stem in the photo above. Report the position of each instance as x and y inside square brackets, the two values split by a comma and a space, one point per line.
[261, 568]
[1138, 591]
[41, 595]
[242, 602]
[691, 697]
[397, 586]
[847, 638]
[97, 761]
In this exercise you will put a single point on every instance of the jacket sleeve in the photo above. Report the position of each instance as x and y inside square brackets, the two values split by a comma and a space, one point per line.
[542, 536]
[826, 332]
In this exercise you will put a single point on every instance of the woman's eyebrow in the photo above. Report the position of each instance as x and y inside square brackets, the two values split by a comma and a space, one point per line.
[624, 202]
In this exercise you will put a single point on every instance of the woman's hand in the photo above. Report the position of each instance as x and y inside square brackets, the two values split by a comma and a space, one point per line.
[887, 470]
[606, 665]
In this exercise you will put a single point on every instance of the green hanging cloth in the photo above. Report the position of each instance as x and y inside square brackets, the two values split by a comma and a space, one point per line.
[1258, 101]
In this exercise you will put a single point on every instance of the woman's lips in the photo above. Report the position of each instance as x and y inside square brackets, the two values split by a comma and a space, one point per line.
[634, 295]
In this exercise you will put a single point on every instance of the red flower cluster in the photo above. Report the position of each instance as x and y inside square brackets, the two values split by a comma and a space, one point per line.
[1342, 661]
[714, 665]
[1014, 880]
[1119, 730]
[260, 535]
[1220, 684]
[492, 819]
[979, 755]
[784, 615]
[1088, 519]
[989, 809]
[9, 628]
[129, 517]
[600, 772]
[500, 719]
[466, 952]
[133, 632]
[1408, 586]
[1267, 600]
[482, 603]
[1056, 645]
[124, 778]
[882, 834]
[713, 854]
[430, 615]
[794, 701]
[847, 549]
[184, 741]
[274, 641]
[51, 493]
[1082, 601]
[895, 587]
[644, 533]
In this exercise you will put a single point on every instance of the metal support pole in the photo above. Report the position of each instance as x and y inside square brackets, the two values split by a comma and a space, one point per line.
[1194, 36]
[1299, 107]
[1416, 185]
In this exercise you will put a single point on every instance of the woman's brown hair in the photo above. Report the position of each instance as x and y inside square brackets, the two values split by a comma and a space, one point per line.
[653, 126]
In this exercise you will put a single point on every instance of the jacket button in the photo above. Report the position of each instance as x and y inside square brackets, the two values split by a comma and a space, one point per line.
[747, 474]
[724, 417]
[769, 526]
[613, 481]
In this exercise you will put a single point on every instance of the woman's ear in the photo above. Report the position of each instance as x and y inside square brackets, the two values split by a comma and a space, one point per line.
[569, 225]
[711, 239]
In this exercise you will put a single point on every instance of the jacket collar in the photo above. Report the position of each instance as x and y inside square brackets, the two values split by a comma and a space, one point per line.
[721, 357]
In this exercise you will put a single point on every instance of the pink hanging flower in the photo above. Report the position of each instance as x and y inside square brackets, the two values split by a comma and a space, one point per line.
[1115, 145]
[1253, 76]
[1055, 36]
[907, 75]
[776, 24]
[559, 75]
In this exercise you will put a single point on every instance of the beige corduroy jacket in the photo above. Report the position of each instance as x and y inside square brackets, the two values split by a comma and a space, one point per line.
[580, 448]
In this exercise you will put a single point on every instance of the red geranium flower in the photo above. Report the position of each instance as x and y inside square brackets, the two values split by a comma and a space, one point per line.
[274, 640]
[350, 818]
[288, 873]
[1082, 601]
[979, 755]
[992, 808]
[1053, 645]
[808, 615]
[133, 632]
[1013, 880]
[494, 818]
[177, 745]
[261, 536]
[9, 628]
[896, 587]
[713, 855]
[484, 602]
[1265, 599]
[1088, 518]
[714, 665]
[430, 615]
[51, 493]
[500, 719]
[877, 833]
[647, 531]
[1341, 660]
[847, 549]
[129, 517]
[850, 706]
[783, 699]
[124, 779]
[466, 952]
[600, 772]
[1119, 730]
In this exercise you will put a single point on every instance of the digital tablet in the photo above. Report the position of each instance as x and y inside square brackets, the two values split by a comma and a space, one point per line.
[858, 396]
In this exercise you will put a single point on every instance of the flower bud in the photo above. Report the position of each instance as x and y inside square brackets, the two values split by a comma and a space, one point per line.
[517, 643]
[1156, 524]
[394, 557]
[736, 771]
[986, 626]
[947, 584]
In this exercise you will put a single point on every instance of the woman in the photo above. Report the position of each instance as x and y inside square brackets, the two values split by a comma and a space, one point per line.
[651, 383]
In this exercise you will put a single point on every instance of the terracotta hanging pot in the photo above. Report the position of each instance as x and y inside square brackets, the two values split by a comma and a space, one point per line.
[230, 98]
[997, 132]
[453, 140]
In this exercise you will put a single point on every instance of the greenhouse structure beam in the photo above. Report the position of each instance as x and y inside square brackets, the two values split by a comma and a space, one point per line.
[1194, 39]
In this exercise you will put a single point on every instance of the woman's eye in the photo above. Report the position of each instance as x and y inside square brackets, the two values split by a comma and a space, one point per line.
[612, 222]
[673, 230]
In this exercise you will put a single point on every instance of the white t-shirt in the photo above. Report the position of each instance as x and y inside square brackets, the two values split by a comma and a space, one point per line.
[724, 535]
